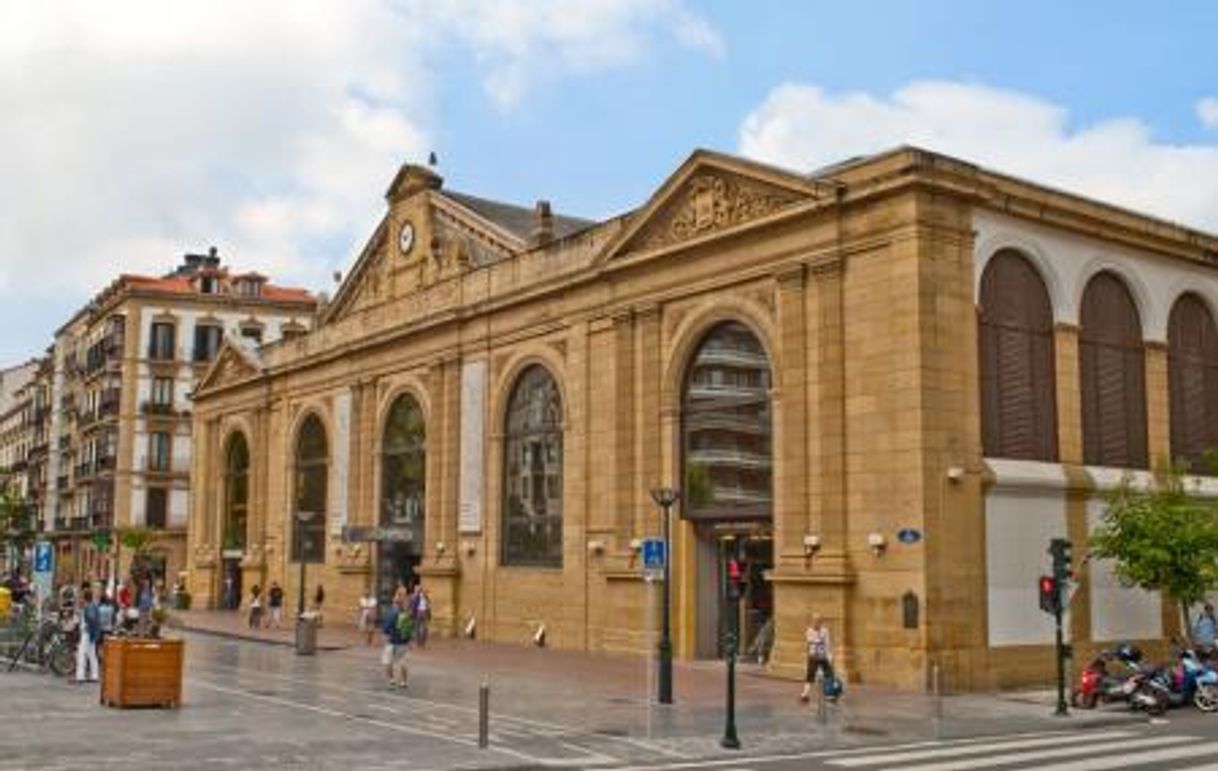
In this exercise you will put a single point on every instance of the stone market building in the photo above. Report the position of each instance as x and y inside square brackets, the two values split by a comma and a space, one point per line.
[886, 385]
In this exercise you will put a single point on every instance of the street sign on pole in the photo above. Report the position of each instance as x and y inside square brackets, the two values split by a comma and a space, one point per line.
[653, 559]
[44, 570]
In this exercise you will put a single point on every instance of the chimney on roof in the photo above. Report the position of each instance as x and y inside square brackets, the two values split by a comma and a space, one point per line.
[543, 224]
[213, 258]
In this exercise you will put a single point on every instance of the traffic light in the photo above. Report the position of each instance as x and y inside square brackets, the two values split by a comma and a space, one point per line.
[1050, 599]
[1062, 552]
[737, 577]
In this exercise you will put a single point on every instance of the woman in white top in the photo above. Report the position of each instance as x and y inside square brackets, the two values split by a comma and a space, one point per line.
[367, 616]
[820, 655]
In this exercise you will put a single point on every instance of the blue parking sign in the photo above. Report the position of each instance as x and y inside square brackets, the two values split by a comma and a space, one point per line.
[44, 558]
[653, 554]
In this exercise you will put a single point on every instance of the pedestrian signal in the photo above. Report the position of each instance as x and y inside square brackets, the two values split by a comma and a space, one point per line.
[1050, 599]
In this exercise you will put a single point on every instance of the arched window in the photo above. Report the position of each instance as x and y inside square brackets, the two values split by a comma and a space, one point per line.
[1113, 375]
[236, 493]
[312, 469]
[532, 472]
[1192, 374]
[1015, 339]
[403, 462]
[726, 427]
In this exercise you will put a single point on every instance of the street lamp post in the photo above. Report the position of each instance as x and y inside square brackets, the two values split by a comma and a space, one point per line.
[301, 518]
[665, 497]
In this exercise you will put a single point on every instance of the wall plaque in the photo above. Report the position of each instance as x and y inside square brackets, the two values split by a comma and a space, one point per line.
[473, 413]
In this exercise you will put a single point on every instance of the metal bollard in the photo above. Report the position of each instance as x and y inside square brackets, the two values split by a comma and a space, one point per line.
[938, 697]
[484, 715]
[822, 707]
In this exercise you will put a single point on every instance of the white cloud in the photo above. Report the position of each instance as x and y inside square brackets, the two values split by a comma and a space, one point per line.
[135, 130]
[1207, 112]
[1117, 160]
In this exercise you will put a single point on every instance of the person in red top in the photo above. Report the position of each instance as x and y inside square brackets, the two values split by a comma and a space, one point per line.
[124, 605]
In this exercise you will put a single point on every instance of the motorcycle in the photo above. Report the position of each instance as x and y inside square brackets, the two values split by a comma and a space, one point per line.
[1097, 684]
[1187, 681]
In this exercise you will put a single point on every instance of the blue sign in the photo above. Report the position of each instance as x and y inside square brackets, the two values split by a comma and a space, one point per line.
[653, 554]
[44, 558]
[909, 535]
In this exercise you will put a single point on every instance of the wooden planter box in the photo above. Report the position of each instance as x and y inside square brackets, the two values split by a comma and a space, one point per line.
[140, 672]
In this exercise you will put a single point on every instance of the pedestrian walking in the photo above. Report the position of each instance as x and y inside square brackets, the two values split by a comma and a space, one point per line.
[256, 607]
[319, 597]
[367, 615]
[90, 634]
[820, 656]
[275, 603]
[1205, 631]
[398, 627]
[144, 603]
[420, 607]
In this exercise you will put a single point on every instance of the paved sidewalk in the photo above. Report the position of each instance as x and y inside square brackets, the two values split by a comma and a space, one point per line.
[603, 694]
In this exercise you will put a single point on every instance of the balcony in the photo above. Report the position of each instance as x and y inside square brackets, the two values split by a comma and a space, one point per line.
[84, 470]
[106, 463]
[61, 483]
[156, 408]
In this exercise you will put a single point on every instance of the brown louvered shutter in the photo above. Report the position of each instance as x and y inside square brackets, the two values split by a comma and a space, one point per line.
[1192, 376]
[1113, 375]
[1015, 338]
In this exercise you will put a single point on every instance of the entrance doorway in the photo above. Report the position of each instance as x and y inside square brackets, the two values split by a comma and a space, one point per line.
[396, 563]
[230, 584]
[716, 546]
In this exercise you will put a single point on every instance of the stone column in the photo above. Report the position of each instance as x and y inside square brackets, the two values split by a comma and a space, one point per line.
[1158, 404]
[790, 415]
[625, 497]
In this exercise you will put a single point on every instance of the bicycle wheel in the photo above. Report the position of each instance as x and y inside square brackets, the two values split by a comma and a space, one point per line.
[62, 659]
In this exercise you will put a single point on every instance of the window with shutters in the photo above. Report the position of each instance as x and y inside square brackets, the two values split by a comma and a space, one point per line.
[1015, 342]
[1192, 377]
[312, 472]
[1113, 375]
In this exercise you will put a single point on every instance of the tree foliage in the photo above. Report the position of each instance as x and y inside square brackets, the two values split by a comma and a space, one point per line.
[17, 526]
[1162, 538]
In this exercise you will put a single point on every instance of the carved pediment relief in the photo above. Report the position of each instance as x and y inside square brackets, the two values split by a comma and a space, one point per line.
[230, 366]
[711, 201]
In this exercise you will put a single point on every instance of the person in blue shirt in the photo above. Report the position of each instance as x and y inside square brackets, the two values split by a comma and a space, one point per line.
[90, 634]
[396, 642]
[1205, 630]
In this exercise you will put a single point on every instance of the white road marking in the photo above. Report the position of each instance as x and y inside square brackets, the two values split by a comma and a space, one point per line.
[1135, 758]
[722, 762]
[1049, 754]
[399, 728]
[973, 749]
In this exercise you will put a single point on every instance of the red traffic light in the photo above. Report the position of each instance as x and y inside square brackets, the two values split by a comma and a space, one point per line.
[1049, 598]
[735, 572]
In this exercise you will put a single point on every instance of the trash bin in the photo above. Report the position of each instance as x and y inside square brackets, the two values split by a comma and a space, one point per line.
[306, 634]
[6, 603]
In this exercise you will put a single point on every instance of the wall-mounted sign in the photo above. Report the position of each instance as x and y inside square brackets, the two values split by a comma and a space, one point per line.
[367, 534]
[909, 535]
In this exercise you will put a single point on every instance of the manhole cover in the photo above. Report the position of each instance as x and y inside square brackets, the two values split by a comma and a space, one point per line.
[617, 732]
[865, 730]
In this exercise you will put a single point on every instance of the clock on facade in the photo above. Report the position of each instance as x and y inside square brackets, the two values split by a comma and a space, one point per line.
[406, 237]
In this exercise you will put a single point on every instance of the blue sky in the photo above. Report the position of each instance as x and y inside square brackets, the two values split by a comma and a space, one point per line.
[138, 130]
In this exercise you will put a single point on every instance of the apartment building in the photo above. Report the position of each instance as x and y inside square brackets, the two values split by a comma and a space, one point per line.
[119, 382]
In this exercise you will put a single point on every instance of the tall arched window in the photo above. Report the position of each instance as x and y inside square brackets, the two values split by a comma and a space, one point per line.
[532, 472]
[1192, 374]
[726, 427]
[236, 493]
[1113, 375]
[312, 469]
[403, 462]
[1015, 339]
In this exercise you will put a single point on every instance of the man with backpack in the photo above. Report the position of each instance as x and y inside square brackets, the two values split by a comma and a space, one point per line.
[90, 634]
[399, 628]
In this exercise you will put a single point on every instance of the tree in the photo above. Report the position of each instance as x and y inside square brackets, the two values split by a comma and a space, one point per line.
[137, 539]
[1163, 538]
[16, 524]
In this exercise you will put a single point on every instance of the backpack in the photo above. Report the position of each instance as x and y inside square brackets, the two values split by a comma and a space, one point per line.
[405, 626]
[832, 686]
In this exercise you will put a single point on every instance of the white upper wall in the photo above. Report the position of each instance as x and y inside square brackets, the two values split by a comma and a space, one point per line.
[1067, 261]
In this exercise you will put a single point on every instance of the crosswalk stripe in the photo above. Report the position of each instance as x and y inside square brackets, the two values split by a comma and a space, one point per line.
[1049, 754]
[971, 749]
[1206, 767]
[1133, 759]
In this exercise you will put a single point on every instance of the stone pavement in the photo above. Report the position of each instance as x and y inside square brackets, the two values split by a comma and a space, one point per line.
[592, 695]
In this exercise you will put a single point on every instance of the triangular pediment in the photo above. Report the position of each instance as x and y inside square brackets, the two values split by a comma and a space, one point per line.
[711, 194]
[233, 364]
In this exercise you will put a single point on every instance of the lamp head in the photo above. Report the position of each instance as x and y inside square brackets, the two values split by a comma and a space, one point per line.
[664, 497]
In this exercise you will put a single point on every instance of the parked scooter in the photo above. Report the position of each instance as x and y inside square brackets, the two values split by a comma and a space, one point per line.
[1098, 684]
[1188, 680]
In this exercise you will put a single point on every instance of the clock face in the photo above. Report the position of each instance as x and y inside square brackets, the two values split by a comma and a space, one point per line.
[406, 237]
